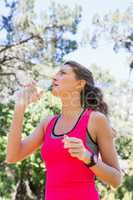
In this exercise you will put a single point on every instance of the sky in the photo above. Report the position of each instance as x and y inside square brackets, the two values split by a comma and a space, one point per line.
[102, 56]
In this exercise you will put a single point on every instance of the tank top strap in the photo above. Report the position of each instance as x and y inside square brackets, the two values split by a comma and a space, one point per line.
[82, 128]
[51, 124]
[85, 118]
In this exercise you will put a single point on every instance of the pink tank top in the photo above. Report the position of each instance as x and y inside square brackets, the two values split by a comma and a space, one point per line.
[67, 177]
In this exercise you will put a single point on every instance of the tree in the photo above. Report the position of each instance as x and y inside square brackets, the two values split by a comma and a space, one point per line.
[36, 46]
[35, 41]
[119, 99]
[27, 180]
[115, 27]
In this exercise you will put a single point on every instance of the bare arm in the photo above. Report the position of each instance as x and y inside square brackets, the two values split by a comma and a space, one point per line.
[18, 149]
[108, 168]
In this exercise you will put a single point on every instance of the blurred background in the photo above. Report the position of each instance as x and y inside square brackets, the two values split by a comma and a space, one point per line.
[36, 37]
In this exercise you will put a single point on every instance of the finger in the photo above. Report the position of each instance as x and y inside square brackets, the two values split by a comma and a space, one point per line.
[72, 138]
[34, 82]
[71, 142]
[74, 154]
[74, 151]
[32, 89]
[40, 94]
[74, 145]
[66, 136]
[33, 97]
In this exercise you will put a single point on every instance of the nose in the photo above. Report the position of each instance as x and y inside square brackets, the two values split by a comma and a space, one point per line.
[54, 79]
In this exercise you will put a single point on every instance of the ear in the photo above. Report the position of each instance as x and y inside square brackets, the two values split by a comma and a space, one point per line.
[81, 84]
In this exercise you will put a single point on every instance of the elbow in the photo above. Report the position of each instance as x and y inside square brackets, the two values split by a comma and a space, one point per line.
[116, 184]
[11, 160]
[117, 181]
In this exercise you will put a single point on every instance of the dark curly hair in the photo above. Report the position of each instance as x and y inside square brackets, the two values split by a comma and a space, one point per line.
[91, 96]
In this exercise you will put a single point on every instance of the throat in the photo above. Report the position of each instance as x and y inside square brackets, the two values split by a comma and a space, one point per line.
[70, 114]
[65, 124]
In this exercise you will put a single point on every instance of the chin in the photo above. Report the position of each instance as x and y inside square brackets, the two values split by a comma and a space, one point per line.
[55, 92]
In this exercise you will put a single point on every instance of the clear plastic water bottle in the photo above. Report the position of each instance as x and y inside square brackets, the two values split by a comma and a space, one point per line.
[24, 80]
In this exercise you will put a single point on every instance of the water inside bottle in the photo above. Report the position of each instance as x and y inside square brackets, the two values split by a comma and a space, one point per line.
[44, 84]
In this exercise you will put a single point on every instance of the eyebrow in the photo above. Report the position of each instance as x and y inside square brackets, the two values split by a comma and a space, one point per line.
[62, 70]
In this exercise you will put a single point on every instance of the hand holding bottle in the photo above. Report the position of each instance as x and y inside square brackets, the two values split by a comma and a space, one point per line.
[28, 94]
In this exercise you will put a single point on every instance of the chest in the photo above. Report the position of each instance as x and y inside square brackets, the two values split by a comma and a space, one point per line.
[64, 126]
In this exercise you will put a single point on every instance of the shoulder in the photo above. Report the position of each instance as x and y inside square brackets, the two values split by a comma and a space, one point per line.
[94, 122]
[101, 125]
[97, 118]
[45, 121]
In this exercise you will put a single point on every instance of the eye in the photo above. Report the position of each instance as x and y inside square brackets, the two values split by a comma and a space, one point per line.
[62, 72]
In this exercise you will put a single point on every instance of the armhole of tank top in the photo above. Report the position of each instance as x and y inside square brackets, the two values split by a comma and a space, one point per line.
[49, 123]
[91, 143]
[88, 133]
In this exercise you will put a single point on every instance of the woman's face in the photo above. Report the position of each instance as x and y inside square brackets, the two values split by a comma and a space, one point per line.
[65, 82]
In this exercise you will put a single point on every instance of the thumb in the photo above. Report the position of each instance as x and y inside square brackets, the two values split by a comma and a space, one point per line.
[66, 136]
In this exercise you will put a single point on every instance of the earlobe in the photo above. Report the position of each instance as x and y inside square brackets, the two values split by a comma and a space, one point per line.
[81, 84]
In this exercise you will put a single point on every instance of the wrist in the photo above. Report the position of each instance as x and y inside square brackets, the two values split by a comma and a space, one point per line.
[20, 106]
[86, 157]
[93, 160]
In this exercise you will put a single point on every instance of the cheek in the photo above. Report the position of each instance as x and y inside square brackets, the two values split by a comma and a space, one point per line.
[65, 87]
[68, 85]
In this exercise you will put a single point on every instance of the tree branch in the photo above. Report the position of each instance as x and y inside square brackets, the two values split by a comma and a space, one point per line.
[17, 44]
[31, 37]
[5, 59]
[11, 74]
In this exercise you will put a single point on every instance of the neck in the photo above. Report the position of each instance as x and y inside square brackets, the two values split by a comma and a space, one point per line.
[71, 106]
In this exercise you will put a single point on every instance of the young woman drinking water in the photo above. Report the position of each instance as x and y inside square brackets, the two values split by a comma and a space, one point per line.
[72, 141]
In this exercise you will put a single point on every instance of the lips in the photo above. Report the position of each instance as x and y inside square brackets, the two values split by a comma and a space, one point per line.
[54, 84]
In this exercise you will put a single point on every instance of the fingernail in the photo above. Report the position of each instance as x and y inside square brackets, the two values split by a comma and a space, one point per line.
[65, 136]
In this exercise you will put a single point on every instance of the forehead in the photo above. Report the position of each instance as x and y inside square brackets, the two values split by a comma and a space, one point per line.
[66, 68]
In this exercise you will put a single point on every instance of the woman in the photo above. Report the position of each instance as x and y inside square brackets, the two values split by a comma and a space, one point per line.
[70, 142]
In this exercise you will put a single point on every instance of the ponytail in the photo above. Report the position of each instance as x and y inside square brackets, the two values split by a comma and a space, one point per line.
[92, 97]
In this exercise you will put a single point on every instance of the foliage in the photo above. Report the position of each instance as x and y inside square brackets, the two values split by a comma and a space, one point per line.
[25, 179]
[116, 26]
[113, 27]
[35, 41]
[28, 177]
[120, 116]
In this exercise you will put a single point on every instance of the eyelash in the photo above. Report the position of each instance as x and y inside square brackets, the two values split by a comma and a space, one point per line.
[62, 72]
